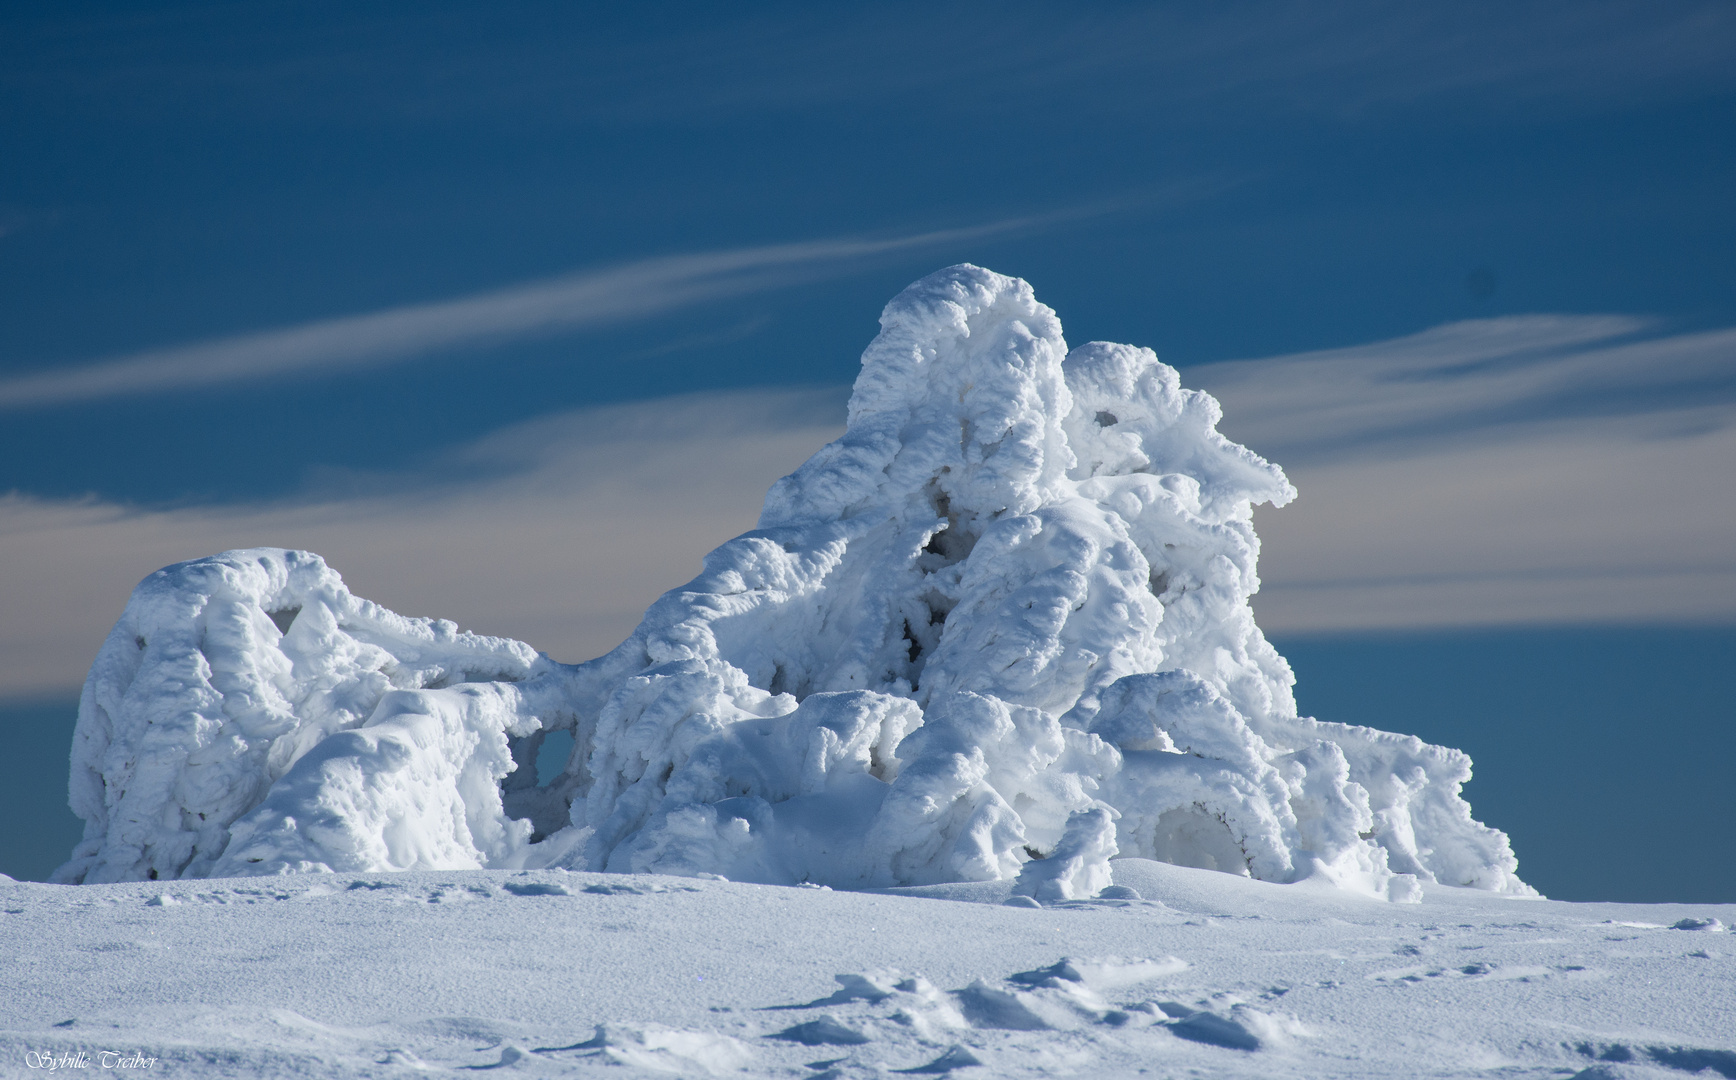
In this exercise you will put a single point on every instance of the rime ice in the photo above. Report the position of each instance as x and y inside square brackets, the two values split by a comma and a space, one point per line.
[999, 630]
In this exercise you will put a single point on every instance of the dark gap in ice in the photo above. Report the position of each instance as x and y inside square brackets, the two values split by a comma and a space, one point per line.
[533, 791]
[524, 754]
[950, 545]
[1106, 418]
[952, 542]
[1159, 582]
[282, 619]
[551, 757]
[877, 764]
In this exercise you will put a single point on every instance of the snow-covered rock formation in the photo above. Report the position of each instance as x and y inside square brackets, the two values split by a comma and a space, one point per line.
[1000, 629]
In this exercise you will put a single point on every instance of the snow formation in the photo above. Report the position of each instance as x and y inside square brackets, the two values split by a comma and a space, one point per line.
[997, 631]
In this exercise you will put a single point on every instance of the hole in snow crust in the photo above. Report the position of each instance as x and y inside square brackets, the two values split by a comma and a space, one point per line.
[285, 618]
[1191, 836]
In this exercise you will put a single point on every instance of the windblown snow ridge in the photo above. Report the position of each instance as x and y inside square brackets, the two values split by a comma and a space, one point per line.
[1000, 629]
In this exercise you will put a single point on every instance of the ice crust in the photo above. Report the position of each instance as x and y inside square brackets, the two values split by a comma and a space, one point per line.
[998, 630]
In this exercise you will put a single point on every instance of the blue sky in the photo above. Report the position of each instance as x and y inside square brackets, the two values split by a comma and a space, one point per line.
[415, 287]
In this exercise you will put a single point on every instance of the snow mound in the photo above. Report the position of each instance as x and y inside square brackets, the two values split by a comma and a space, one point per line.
[998, 630]
[254, 677]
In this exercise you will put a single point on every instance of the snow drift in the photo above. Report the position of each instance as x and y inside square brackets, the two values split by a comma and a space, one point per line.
[998, 630]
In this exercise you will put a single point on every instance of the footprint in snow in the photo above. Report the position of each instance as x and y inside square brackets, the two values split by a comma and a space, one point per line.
[509, 1055]
[872, 987]
[1211, 1029]
[610, 888]
[1620, 1061]
[1072, 994]
[657, 1049]
[1110, 896]
[1482, 971]
[535, 888]
[1108, 973]
[987, 1006]
[956, 1058]
[824, 1031]
[1065, 995]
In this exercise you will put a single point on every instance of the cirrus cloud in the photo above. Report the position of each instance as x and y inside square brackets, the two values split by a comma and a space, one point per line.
[1535, 470]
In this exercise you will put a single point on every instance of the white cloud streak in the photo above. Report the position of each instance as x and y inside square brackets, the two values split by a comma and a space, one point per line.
[1531, 470]
[1584, 521]
[599, 512]
[1444, 484]
[1460, 377]
[622, 293]
[1175, 63]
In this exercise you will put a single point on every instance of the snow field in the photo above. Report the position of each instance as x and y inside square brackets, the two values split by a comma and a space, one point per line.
[559, 973]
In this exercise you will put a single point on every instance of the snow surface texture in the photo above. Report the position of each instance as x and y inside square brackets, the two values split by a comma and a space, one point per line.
[998, 631]
[1184, 973]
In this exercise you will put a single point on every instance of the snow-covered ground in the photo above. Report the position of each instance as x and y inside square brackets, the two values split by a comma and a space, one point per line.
[556, 973]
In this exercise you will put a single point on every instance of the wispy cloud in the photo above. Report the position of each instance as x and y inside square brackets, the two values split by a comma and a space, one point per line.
[565, 529]
[1465, 378]
[1537, 469]
[1180, 63]
[621, 293]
